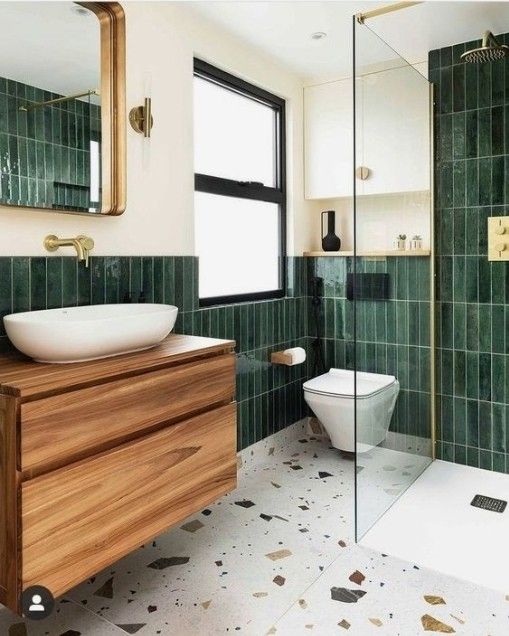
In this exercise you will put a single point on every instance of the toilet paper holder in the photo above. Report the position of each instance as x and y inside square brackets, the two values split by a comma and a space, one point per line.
[289, 357]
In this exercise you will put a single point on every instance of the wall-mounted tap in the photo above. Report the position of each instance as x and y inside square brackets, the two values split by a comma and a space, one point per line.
[82, 244]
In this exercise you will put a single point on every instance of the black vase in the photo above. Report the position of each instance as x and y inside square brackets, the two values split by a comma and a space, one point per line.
[330, 242]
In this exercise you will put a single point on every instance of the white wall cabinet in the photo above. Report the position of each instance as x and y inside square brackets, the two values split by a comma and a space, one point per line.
[393, 135]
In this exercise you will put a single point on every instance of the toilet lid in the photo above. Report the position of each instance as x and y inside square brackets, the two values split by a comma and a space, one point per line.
[340, 382]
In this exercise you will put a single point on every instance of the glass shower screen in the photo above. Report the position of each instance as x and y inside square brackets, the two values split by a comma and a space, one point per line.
[392, 293]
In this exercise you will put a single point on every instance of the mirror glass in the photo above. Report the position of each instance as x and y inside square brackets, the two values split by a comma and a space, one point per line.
[50, 106]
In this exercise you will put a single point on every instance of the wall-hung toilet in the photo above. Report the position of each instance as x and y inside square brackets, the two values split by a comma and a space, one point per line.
[331, 398]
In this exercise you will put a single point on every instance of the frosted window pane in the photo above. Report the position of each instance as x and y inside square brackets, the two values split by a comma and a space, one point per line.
[233, 135]
[237, 241]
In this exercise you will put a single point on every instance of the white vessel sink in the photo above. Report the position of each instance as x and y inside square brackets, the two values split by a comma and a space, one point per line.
[86, 333]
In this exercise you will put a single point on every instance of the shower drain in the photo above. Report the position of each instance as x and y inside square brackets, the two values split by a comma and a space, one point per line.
[489, 503]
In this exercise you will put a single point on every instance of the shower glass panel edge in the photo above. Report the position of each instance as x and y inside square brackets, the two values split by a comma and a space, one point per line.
[393, 304]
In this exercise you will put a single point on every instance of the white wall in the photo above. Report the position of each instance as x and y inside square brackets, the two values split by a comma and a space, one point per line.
[162, 38]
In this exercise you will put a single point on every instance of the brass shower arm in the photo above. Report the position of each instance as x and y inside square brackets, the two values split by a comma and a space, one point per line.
[59, 100]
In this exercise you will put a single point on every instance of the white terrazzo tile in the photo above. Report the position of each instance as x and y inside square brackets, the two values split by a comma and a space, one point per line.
[224, 582]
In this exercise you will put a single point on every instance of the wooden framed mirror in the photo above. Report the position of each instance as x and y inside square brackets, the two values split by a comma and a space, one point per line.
[62, 107]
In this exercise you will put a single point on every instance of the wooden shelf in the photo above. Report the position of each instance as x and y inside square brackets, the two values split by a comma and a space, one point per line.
[379, 253]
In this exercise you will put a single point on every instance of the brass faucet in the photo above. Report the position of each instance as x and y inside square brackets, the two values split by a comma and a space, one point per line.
[82, 244]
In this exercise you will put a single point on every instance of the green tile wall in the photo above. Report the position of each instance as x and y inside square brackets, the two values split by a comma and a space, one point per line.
[393, 336]
[44, 153]
[269, 397]
[472, 183]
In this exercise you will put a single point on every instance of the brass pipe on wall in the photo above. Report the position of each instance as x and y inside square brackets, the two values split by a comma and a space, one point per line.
[58, 100]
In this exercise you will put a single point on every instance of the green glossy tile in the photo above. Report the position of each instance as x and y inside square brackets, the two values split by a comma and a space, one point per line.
[472, 182]
[485, 384]
[37, 283]
[485, 426]
[20, 284]
[473, 423]
[460, 420]
[472, 365]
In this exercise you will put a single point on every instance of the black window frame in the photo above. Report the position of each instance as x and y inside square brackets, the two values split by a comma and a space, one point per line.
[248, 189]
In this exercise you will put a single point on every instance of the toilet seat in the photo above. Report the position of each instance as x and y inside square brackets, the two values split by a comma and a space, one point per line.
[340, 383]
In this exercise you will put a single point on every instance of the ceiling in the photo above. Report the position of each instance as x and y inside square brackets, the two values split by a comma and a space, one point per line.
[284, 30]
[50, 45]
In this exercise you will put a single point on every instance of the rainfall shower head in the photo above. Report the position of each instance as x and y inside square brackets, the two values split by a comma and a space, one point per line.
[490, 51]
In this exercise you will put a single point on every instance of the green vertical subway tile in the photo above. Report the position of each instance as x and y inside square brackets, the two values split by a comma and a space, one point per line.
[484, 132]
[472, 327]
[485, 426]
[20, 284]
[446, 92]
[136, 279]
[380, 321]
[459, 325]
[447, 372]
[413, 368]
[445, 289]
[473, 423]
[460, 420]
[471, 279]
[485, 459]
[471, 78]
[424, 325]
[499, 441]
[459, 231]
[472, 363]
[458, 87]
[485, 185]
[97, 280]
[70, 267]
[497, 329]
[497, 130]
[124, 286]
[498, 378]
[390, 320]
[147, 281]
[84, 284]
[169, 280]
[158, 278]
[445, 183]
[37, 283]
[447, 325]
[446, 232]
[459, 278]
[459, 135]
[459, 183]
[484, 85]
[499, 180]
[471, 134]
[484, 280]
[498, 281]
[472, 182]
[112, 279]
[447, 418]
[485, 327]
[485, 376]
[188, 280]
[472, 457]
[459, 373]
[460, 454]
[472, 231]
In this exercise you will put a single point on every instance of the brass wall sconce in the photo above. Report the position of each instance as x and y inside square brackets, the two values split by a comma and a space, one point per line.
[141, 118]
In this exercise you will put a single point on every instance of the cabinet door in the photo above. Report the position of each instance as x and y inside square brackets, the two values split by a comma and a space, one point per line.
[396, 131]
[81, 518]
[328, 138]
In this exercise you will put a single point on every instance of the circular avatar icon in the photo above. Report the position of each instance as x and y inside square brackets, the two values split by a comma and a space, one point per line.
[37, 602]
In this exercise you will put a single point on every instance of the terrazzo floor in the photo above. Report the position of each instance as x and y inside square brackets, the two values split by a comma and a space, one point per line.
[277, 556]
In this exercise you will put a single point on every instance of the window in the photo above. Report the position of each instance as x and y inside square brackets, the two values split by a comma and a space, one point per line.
[240, 199]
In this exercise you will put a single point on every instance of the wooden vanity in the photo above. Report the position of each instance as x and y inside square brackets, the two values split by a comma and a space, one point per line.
[97, 458]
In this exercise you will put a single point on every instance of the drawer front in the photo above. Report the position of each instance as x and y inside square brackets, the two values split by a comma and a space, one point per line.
[81, 518]
[58, 430]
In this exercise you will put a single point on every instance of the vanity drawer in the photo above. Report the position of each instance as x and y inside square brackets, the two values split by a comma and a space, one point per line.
[58, 430]
[81, 518]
